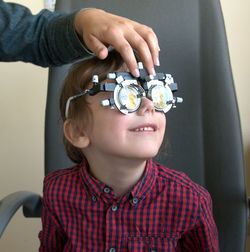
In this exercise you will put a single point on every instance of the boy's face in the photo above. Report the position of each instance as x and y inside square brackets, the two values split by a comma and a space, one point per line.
[112, 134]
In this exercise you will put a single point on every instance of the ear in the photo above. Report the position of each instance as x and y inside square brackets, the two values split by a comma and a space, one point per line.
[76, 136]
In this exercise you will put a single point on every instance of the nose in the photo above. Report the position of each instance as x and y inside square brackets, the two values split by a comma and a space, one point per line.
[146, 106]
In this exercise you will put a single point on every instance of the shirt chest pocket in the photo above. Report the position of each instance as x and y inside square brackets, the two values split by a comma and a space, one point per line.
[151, 244]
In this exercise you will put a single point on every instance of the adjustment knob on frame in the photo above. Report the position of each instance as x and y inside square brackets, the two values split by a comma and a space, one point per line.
[111, 76]
[179, 100]
[95, 79]
[105, 103]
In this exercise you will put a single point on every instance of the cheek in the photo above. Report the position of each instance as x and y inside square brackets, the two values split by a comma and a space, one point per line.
[108, 122]
[162, 121]
[118, 124]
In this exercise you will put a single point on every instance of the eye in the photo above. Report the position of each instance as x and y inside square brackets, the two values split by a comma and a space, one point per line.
[161, 96]
[129, 97]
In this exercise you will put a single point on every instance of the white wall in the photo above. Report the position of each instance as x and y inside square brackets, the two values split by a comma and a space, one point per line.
[237, 21]
[22, 103]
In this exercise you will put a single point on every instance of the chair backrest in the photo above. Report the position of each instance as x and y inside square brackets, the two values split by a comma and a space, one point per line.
[203, 132]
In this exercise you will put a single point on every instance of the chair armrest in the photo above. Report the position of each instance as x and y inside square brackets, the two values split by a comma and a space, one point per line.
[31, 203]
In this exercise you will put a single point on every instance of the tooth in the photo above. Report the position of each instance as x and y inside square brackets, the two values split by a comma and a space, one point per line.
[144, 129]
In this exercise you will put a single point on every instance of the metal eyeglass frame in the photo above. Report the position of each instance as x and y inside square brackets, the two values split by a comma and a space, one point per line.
[128, 91]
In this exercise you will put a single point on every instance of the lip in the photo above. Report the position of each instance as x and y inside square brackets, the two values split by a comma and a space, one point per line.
[144, 128]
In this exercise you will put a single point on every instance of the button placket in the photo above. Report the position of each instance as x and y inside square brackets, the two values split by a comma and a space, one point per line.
[111, 226]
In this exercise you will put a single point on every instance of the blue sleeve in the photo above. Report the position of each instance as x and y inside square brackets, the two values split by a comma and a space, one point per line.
[45, 39]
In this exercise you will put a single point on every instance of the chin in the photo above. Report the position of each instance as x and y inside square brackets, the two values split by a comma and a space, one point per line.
[148, 154]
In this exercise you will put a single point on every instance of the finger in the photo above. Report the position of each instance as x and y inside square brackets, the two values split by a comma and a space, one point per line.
[122, 45]
[143, 50]
[127, 53]
[152, 42]
[96, 46]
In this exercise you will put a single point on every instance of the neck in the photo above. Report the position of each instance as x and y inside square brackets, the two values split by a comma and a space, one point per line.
[120, 175]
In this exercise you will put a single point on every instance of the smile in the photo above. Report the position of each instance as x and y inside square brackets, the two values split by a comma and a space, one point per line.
[144, 129]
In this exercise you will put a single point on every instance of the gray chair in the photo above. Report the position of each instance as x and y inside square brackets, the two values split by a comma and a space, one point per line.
[204, 135]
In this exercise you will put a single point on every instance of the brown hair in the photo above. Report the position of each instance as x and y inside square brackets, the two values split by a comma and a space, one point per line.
[77, 80]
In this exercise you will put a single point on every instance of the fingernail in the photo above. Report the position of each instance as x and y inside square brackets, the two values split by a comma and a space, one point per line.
[136, 73]
[157, 62]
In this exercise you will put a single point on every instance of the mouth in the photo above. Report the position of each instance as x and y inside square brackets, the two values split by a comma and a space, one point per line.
[144, 128]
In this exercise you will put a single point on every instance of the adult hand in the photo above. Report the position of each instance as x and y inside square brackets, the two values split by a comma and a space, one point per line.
[100, 29]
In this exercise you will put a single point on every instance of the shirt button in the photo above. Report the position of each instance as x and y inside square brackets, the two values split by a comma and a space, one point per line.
[112, 250]
[94, 198]
[114, 208]
[135, 201]
[106, 190]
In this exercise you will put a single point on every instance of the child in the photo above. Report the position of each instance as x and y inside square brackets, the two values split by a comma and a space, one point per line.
[116, 198]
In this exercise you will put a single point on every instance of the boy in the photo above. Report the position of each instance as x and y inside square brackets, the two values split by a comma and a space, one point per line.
[116, 198]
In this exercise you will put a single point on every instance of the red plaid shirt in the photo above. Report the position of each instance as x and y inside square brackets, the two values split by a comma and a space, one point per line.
[165, 211]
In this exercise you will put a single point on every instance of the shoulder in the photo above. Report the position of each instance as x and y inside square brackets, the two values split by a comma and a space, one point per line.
[62, 174]
[181, 183]
[58, 182]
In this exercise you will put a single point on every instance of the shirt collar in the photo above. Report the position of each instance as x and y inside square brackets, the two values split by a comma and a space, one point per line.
[97, 189]
[145, 184]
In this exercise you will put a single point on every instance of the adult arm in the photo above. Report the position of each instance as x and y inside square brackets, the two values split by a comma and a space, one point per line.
[45, 39]
[53, 38]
